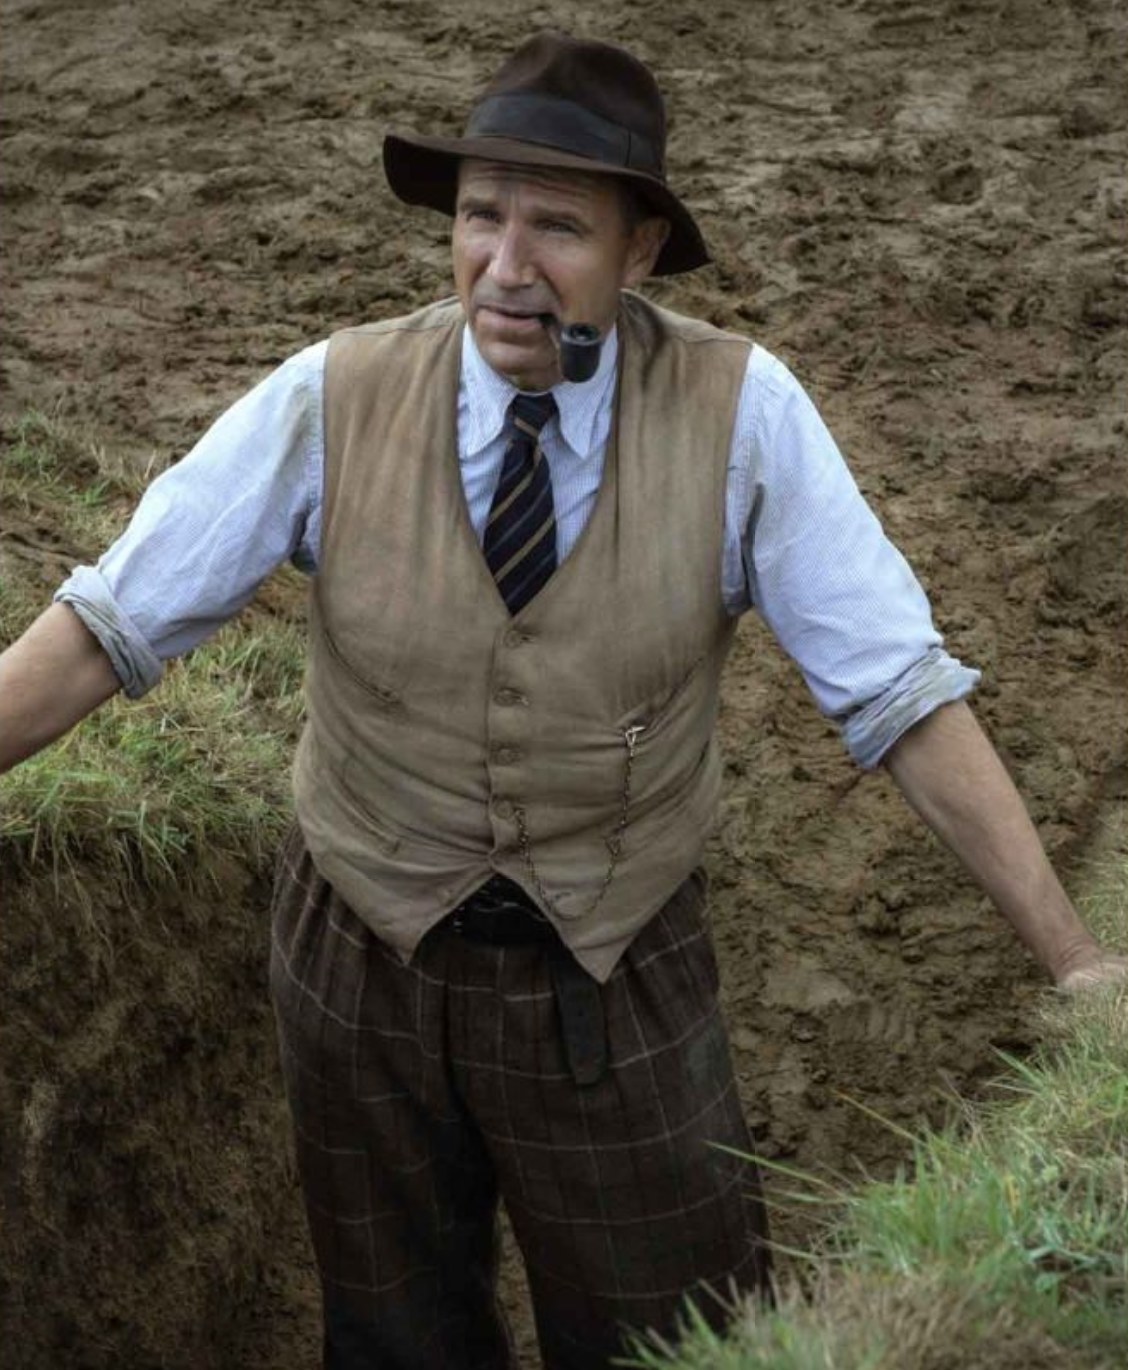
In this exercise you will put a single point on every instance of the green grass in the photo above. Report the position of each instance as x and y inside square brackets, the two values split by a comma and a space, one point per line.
[168, 787]
[1004, 1243]
[157, 789]
[50, 467]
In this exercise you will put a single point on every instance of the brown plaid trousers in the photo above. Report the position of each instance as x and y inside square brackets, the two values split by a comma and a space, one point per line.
[421, 1092]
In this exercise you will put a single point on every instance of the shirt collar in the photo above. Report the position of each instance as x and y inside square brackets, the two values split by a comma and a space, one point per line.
[487, 396]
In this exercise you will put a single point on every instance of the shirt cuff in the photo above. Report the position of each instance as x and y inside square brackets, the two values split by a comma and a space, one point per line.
[935, 679]
[136, 665]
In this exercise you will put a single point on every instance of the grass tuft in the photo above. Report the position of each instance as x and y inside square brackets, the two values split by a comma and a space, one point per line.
[1004, 1244]
[166, 788]
[55, 477]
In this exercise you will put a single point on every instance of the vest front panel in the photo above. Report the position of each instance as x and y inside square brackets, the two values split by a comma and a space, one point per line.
[447, 740]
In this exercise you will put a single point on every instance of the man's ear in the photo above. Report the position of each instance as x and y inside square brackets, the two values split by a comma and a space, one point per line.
[648, 237]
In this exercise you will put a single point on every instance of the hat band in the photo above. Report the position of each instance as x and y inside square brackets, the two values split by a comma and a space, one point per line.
[565, 126]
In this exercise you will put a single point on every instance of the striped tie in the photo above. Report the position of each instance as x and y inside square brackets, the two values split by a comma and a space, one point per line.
[520, 537]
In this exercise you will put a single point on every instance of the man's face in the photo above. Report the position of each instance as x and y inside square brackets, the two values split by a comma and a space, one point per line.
[530, 241]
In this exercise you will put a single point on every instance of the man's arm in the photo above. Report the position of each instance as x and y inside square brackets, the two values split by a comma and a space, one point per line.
[52, 676]
[952, 776]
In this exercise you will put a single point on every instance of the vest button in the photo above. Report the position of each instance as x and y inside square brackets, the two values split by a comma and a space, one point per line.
[507, 696]
[507, 756]
[514, 637]
[503, 808]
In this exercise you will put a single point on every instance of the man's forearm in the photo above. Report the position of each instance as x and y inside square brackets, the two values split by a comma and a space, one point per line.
[952, 776]
[51, 677]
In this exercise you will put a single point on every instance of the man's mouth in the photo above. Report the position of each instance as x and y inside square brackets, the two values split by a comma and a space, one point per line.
[521, 318]
[511, 313]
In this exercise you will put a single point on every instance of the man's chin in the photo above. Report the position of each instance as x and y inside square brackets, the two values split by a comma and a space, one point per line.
[528, 366]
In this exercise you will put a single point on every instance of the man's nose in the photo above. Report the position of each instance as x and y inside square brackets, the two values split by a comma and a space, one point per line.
[511, 264]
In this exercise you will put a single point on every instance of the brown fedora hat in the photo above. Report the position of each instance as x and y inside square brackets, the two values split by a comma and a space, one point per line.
[559, 102]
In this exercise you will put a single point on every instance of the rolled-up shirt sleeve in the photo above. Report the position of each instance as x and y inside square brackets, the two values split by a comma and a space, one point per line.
[816, 564]
[211, 528]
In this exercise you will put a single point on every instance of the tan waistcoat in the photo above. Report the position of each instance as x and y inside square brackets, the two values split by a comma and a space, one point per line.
[569, 747]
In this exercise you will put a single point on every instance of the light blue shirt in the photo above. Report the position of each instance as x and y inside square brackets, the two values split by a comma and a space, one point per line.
[801, 545]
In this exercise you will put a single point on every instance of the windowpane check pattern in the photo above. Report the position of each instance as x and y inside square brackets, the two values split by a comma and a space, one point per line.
[520, 536]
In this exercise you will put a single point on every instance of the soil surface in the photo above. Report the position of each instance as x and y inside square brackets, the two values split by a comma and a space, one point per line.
[921, 207]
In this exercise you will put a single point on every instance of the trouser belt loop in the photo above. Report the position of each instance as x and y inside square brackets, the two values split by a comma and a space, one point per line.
[580, 1005]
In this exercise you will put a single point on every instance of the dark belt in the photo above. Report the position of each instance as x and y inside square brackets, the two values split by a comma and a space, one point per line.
[500, 914]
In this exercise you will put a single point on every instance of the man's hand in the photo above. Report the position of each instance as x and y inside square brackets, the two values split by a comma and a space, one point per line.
[52, 676]
[1105, 970]
[952, 776]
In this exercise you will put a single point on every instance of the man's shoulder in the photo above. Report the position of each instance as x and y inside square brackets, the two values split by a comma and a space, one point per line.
[441, 314]
[378, 364]
[654, 320]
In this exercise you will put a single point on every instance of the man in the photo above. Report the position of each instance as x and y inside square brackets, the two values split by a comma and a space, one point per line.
[491, 969]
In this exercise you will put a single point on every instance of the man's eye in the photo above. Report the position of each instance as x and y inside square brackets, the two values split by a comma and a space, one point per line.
[558, 226]
[486, 215]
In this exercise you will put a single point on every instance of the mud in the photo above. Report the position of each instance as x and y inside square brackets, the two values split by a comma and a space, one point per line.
[922, 208]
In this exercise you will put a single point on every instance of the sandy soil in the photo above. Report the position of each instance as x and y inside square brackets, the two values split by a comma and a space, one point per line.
[921, 207]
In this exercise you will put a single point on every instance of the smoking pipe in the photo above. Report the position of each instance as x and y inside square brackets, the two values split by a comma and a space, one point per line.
[578, 346]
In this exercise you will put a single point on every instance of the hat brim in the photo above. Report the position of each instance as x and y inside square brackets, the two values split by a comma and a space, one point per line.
[424, 171]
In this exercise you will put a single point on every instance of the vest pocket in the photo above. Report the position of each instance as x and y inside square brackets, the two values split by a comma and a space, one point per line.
[390, 838]
[372, 822]
[662, 735]
[668, 740]
[384, 698]
[645, 720]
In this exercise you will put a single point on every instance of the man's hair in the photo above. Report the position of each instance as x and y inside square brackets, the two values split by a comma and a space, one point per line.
[636, 207]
